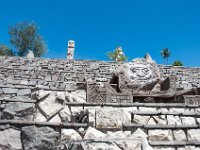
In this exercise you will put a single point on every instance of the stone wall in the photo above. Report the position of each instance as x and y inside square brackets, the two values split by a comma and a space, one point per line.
[43, 106]
[51, 73]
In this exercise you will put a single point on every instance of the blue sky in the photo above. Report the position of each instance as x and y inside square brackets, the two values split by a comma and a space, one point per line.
[98, 26]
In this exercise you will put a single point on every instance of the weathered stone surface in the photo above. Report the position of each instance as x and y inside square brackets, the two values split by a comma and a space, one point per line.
[141, 119]
[92, 133]
[19, 110]
[40, 138]
[151, 122]
[76, 96]
[140, 74]
[177, 110]
[110, 118]
[24, 92]
[147, 109]
[118, 134]
[102, 146]
[40, 117]
[179, 135]
[69, 135]
[160, 135]
[65, 114]
[41, 94]
[161, 120]
[163, 148]
[188, 120]
[173, 120]
[10, 140]
[193, 134]
[9, 90]
[55, 119]
[50, 106]
[1, 91]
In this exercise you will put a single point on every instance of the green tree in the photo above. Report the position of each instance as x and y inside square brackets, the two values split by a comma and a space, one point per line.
[24, 36]
[117, 55]
[177, 63]
[165, 53]
[6, 51]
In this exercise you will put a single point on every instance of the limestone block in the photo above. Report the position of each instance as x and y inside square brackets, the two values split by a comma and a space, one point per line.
[24, 92]
[19, 110]
[163, 110]
[60, 96]
[147, 109]
[198, 120]
[118, 134]
[163, 148]
[188, 120]
[69, 135]
[92, 133]
[110, 118]
[151, 121]
[40, 138]
[189, 148]
[55, 119]
[140, 133]
[140, 119]
[50, 106]
[40, 117]
[76, 96]
[193, 134]
[24, 82]
[9, 90]
[32, 83]
[41, 94]
[102, 146]
[65, 114]
[160, 135]
[177, 110]
[10, 139]
[161, 120]
[173, 120]
[179, 135]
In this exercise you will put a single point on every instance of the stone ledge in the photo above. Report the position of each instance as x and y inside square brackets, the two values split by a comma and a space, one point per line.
[174, 143]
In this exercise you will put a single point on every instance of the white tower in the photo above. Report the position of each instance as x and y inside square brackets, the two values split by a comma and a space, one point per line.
[70, 50]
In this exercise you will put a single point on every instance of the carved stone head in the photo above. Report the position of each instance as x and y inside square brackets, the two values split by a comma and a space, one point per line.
[140, 74]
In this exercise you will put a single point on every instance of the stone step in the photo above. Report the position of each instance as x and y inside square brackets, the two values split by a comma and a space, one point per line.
[130, 126]
[174, 143]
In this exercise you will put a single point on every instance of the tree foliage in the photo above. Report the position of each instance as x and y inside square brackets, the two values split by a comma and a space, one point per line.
[165, 53]
[177, 63]
[117, 55]
[24, 36]
[6, 51]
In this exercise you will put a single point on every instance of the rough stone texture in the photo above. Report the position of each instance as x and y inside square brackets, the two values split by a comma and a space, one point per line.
[10, 140]
[173, 120]
[69, 135]
[24, 92]
[160, 135]
[179, 135]
[141, 119]
[110, 118]
[188, 120]
[92, 133]
[40, 117]
[102, 146]
[76, 96]
[9, 90]
[29, 54]
[50, 106]
[41, 94]
[140, 74]
[19, 110]
[193, 134]
[40, 138]
[161, 120]
[65, 114]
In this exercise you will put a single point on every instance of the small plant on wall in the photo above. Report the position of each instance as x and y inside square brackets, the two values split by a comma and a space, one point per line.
[117, 55]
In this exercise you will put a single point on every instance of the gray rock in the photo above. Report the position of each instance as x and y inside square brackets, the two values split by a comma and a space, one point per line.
[160, 135]
[19, 110]
[179, 135]
[32, 83]
[193, 134]
[10, 140]
[24, 92]
[1, 91]
[9, 90]
[39, 138]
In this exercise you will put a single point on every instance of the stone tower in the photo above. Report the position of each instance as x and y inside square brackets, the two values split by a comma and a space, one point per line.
[70, 50]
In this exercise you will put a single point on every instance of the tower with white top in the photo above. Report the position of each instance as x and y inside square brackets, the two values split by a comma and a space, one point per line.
[70, 50]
